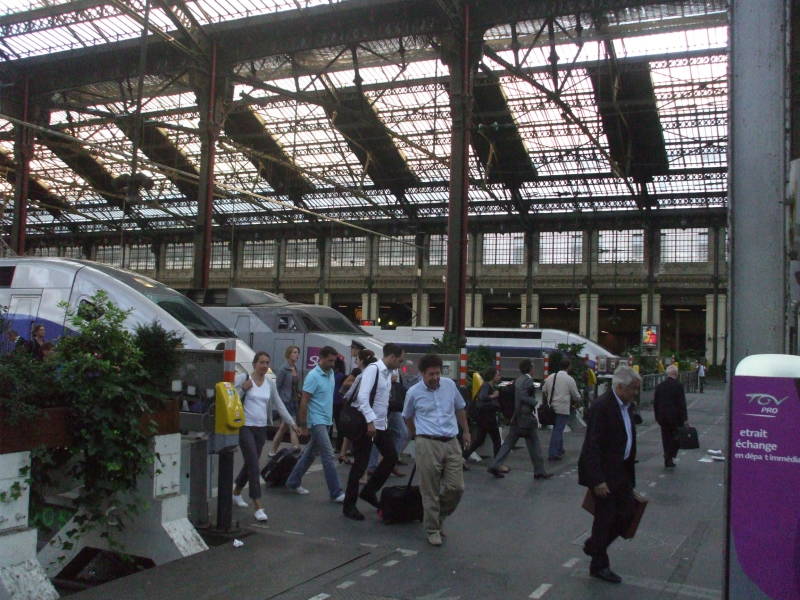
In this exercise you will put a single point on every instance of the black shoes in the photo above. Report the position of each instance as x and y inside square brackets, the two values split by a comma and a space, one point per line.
[554, 458]
[351, 512]
[668, 464]
[496, 472]
[369, 498]
[606, 574]
[543, 476]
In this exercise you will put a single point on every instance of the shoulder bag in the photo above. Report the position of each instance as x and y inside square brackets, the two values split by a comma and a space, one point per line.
[352, 423]
[545, 412]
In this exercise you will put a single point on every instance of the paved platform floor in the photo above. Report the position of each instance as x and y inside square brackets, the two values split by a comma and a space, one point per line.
[510, 538]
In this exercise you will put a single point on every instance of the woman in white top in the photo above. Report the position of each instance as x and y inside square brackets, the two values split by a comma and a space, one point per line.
[561, 391]
[260, 398]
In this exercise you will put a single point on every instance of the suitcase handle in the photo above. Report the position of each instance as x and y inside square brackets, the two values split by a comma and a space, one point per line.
[411, 477]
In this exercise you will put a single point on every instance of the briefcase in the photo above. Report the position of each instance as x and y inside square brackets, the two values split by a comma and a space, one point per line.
[687, 438]
[640, 503]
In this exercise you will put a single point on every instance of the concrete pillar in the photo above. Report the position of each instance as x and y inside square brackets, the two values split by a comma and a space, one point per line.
[721, 315]
[589, 315]
[322, 298]
[759, 79]
[474, 310]
[420, 304]
[529, 314]
[656, 318]
[369, 306]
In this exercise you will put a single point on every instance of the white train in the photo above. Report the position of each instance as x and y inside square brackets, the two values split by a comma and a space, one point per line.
[32, 288]
[519, 343]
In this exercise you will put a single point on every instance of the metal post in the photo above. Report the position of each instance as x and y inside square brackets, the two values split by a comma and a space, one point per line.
[23, 153]
[461, 55]
[208, 98]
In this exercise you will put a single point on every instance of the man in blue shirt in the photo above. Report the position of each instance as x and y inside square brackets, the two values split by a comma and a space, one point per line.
[433, 411]
[314, 416]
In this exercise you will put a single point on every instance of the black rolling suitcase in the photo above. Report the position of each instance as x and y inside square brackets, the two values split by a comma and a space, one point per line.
[277, 470]
[401, 503]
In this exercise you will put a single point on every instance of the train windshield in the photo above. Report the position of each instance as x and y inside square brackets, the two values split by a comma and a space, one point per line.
[189, 314]
[330, 321]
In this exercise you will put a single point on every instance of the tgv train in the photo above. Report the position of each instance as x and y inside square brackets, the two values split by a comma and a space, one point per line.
[521, 343]
[32, 288]
[270, 323]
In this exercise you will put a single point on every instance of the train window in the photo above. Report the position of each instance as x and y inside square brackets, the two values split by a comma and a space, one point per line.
[286, 323]
[310, 324]
[88, 310]
[6, 276]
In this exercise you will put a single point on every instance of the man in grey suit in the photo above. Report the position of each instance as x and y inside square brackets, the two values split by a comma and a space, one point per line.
[523, 425]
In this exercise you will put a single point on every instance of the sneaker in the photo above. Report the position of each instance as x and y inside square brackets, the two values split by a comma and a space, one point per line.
[260, 515]
[435, 538]
[300, 490]
[239, 501]
[271, 453]
[340, 498]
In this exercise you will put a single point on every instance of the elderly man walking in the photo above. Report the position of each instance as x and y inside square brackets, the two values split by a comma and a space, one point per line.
[607, 467]
[669, 405]
[433, 411]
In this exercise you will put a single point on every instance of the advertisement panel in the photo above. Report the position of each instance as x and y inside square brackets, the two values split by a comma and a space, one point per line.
[764, 530]
[650, 336]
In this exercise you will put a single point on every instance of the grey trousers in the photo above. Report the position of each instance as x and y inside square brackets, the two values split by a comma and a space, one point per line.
[251, 441]
[441, 479]
[531, 441]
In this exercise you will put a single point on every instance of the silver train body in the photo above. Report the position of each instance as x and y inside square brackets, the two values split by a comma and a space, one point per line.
[268, 322]
[32, 290]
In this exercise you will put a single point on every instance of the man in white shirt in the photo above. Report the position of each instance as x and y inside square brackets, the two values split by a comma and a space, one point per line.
[372, 399]
[561, 391]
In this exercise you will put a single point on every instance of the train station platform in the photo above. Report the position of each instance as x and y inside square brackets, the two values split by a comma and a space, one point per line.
[510, 538]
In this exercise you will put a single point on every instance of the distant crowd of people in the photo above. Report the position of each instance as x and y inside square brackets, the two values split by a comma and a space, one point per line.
[433, 412]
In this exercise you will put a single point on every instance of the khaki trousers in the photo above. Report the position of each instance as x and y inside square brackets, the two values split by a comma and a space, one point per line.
[441, 479]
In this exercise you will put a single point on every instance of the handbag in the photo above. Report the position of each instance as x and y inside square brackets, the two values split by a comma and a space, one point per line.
[545, 412]
[352, 423]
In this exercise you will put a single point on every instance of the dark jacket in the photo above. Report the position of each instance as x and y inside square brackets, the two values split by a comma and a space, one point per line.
[603, 454]
[487, 405]
[669, 403]
[524, 403]
[285, 383]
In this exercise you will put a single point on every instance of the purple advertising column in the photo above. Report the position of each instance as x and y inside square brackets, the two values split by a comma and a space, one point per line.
[764, 496]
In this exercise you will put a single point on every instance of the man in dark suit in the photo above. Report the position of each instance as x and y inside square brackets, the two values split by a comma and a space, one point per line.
[606, 467]
[669, 404]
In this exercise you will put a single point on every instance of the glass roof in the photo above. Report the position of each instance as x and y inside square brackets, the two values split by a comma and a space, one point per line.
[404, 106]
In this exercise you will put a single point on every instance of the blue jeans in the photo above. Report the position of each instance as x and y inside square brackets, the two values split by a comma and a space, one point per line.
[399, 435]
[320, 444]
[557, 437]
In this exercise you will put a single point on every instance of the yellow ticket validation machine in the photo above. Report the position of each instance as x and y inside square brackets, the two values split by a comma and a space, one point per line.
[229, 412]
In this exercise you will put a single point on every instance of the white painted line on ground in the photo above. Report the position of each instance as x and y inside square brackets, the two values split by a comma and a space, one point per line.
[320, 597]
[290, 532]
[571, 563]
[390, 563]
[345, 584]
[328, 539]
[661, 476]
[259, 526]
[652, 484]
[540, 591]
[406, 553]
[314, 468]
[368, 545]
[369, 573]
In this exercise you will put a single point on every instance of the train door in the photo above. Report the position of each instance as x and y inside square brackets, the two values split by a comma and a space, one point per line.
[22, 313]
[243, 330]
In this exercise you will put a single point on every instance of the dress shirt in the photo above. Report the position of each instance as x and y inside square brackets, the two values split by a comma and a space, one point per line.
[375, 414]
[626, 418]
[434, 411]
